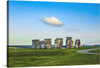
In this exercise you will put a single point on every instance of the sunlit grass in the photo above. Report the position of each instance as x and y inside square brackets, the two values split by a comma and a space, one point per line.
[95, 51]
[25, 57]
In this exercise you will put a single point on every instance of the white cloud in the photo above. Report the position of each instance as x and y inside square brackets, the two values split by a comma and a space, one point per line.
[52, 21]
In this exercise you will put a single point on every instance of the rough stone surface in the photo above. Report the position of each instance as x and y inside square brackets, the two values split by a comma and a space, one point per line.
[58, 42]
[47, 43]
[42, 44]
[69, 42]
[35, 44]
[77, 43]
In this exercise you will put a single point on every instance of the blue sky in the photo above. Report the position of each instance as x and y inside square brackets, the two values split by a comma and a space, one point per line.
[26, 21]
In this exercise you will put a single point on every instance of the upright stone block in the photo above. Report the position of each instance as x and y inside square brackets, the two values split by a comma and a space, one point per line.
[77, 43]
[35, 44]
[58, 42]
[42, 44]
[69, 42]
[47, 43]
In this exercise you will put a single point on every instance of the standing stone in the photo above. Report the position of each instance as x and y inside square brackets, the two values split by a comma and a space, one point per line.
[35, 44]
[77, 43]
[47, 43]
[58, 42]
[69, 42]
[42, 44]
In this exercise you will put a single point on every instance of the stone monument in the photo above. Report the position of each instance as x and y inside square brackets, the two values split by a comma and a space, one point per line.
[47, 43]
[77, 43]
[41, 44]
[58, 42]
[35, 44]
[69, 42]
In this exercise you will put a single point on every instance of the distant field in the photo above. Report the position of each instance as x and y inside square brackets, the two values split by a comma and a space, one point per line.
[26, 57]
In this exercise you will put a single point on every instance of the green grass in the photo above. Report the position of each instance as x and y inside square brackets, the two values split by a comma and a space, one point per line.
[25, 57]
[95, 51]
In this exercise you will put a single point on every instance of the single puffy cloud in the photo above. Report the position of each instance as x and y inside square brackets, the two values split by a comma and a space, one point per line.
[52, 21]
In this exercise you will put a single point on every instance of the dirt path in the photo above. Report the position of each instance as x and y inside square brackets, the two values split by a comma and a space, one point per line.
[86, 51]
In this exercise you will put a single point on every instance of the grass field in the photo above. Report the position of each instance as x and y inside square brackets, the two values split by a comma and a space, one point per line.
[25, 57]
[95, 51]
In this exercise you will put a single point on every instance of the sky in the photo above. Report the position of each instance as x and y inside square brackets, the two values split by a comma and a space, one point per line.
[29, 20]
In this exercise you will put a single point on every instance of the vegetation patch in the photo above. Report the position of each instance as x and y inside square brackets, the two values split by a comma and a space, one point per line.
[25, 57]
[37, 53]
[95, 51]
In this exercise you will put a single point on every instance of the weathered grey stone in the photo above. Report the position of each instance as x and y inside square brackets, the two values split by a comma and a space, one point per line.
[69, 42]
[47, 43]
[77, 43]
[58, 42]
[35, 44]
[42, 44]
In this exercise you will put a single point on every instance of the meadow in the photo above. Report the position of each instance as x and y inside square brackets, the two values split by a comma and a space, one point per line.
[27, 57]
